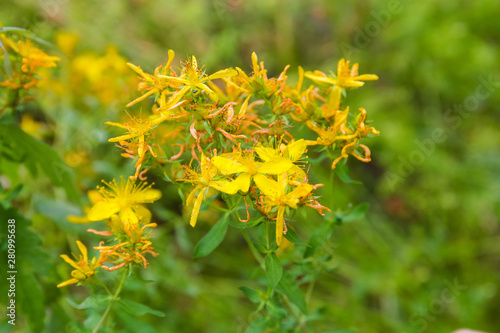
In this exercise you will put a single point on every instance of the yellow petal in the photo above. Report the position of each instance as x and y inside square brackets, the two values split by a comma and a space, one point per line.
[297, 174]
[149, 195]
[94, 196]
[265, 153]
[191, 195]
[129, 217]
[70, 261]
[268, 186]
[171, 55]
[103, 210]
[143, 213]
[228, 165]
[276, 166]
[83, 250]
[280, 220]
[320, 79]
[296, 149]
[301, 79]
[243, 182]
[68, 282]
[196, 208]
[78, 219]
[297, 194]
[228, 72]
[366, 77]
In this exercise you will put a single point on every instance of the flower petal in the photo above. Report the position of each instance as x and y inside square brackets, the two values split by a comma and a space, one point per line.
[68, 282]
[228, 165]
[103, 210]
[280, 220]
[276, 166]
[83, 250]
[265, 153]
[70, 261]
[296, 149]
[267, 186]
[196, 208]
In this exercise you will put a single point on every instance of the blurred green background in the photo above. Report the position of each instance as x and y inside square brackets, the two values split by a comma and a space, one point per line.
[433, 185]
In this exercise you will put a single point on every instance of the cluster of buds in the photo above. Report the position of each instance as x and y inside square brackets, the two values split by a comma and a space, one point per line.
[24, 62]
[232, 136]
[121, 204]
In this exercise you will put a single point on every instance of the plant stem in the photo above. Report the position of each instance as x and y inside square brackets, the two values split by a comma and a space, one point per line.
[113, 299]
[254, 251]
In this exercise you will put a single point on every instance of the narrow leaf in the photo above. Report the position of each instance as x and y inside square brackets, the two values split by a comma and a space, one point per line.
[40, 154]
[357, 213]
[138, 309]
[252, 295]
[274, 270]
[258, 325]
[288, 287]
[343, 172]
[212, 239]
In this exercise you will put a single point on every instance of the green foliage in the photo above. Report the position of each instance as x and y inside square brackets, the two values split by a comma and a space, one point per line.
[20, 147]
[380, 273]
[212, 239]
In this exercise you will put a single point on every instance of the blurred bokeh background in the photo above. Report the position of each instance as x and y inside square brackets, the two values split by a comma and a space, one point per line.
[427, 256]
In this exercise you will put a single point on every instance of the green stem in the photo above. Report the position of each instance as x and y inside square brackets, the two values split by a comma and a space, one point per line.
[113, 299]
[104, 286]
[254, 251]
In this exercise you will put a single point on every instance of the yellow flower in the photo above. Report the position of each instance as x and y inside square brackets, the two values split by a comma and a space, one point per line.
[292, 152]
[344, 78]
[193, 77]
[83, 268]
[276, 196]
[232, 163]
[203, 181]
[33, 57]
[124, 199]
[154, 84]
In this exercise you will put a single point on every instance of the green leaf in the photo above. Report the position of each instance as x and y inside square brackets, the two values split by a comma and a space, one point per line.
[138, 309]
[319, 238]
[292, 237]
[288, 287]
[212, 239]
[253, 295]
[40, 154]
[275, 310]
[274, 269]
[343, 172]
[261, 248]
[29, 259]
[357, 213]
[30, 299]
[94, 302]
[258, 325]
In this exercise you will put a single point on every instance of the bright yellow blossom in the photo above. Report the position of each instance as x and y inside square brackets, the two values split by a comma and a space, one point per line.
[125, 199]
[246, 166]
[203, 181]
[83, 268]
[344, 78]
[193, 77]
[33, 57]
[276, 196]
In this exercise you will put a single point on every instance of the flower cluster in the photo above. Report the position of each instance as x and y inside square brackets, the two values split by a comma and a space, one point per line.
[121, 204]
[230, 132]
[25, 63]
